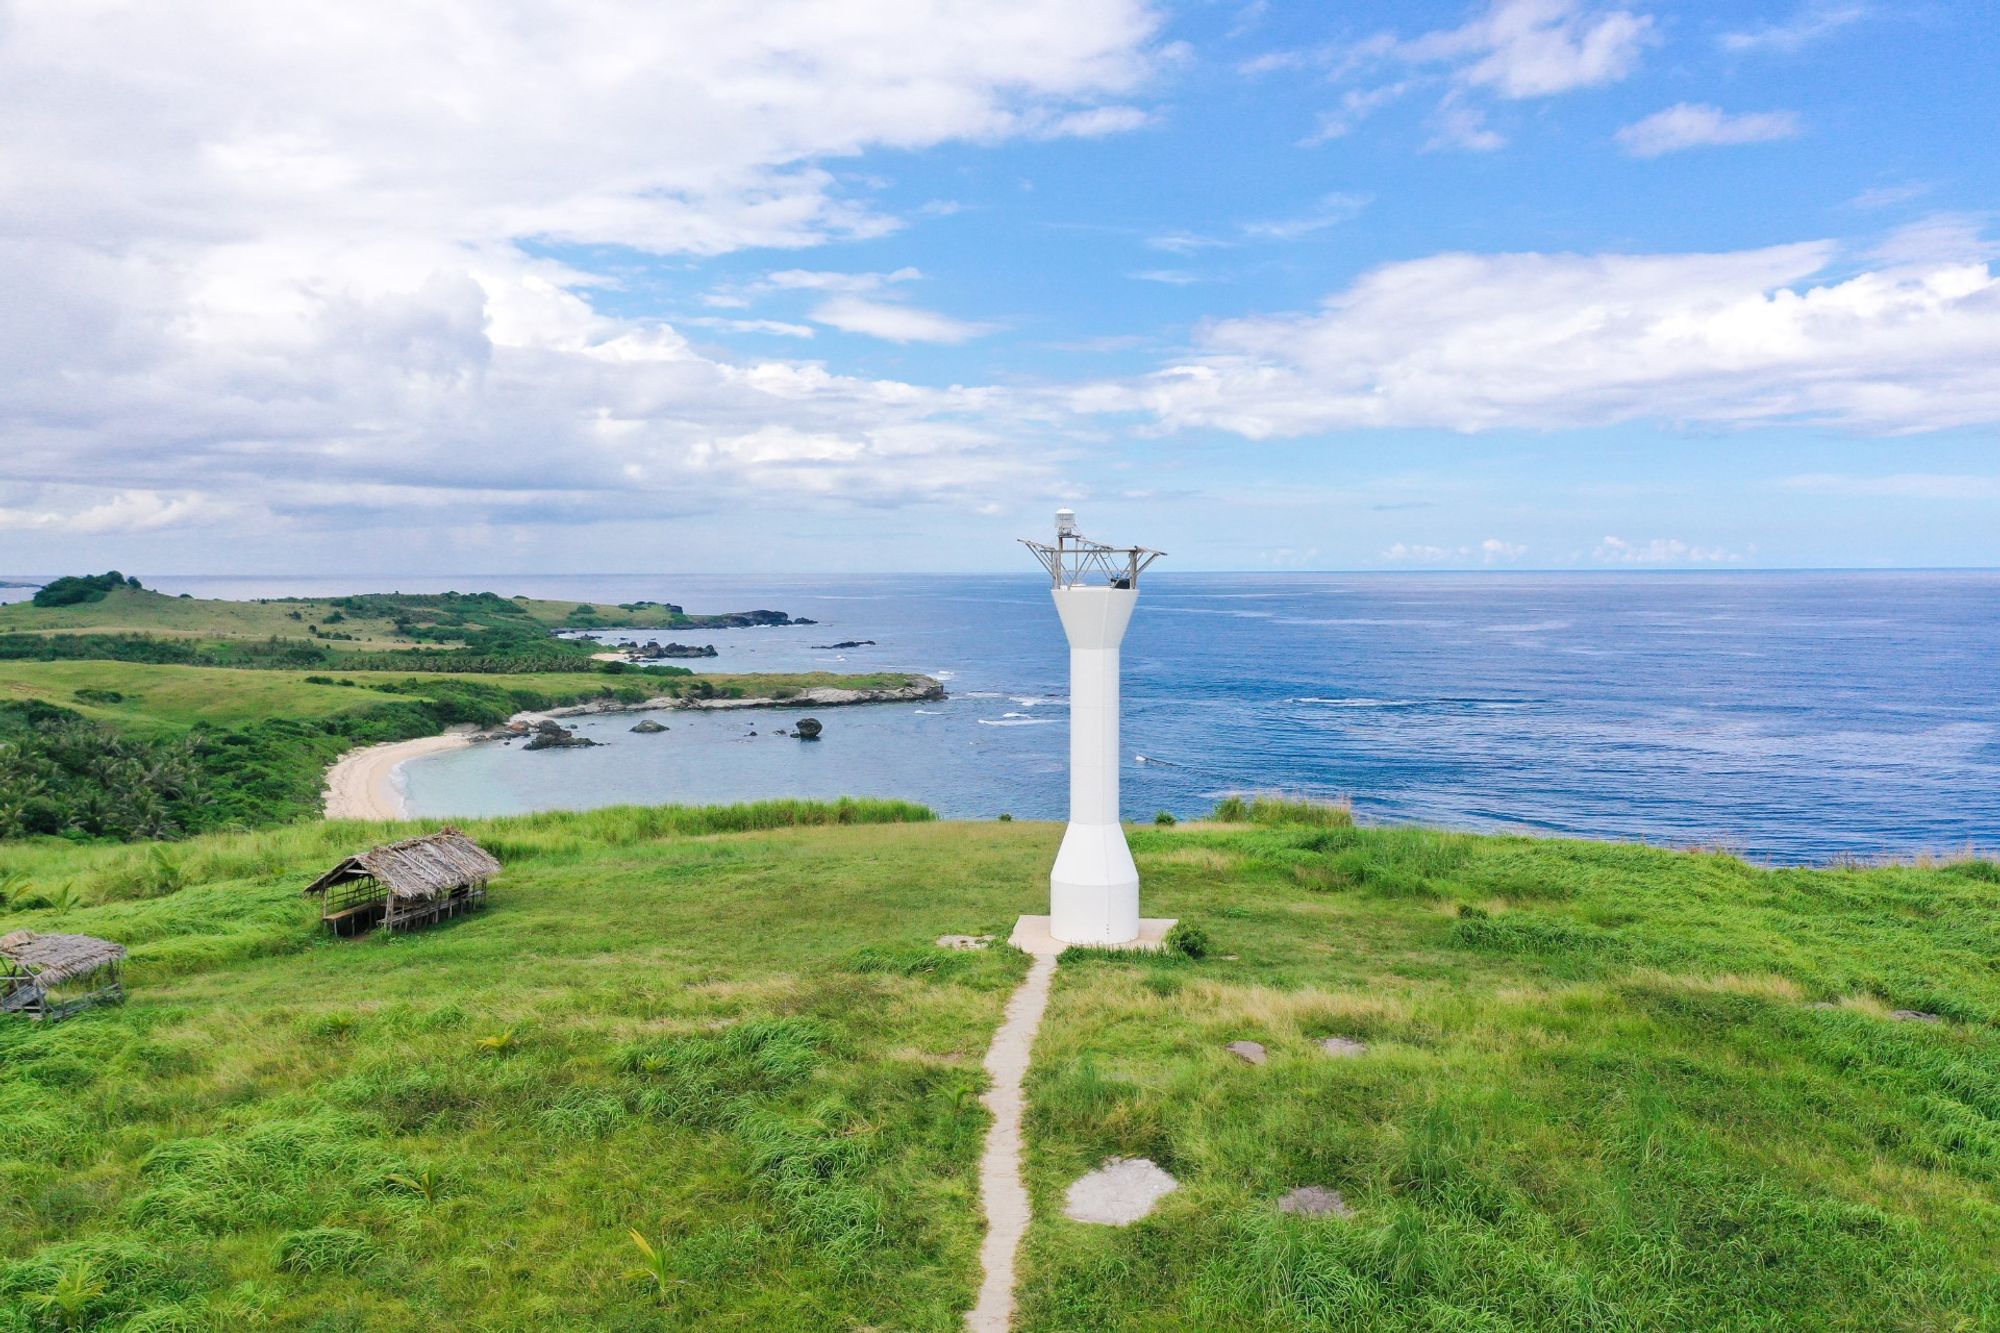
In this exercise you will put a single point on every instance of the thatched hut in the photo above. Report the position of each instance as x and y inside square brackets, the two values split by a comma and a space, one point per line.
[406, 884]
[53, 976]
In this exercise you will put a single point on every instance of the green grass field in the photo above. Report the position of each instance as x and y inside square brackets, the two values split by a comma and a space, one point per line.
[1598, 1093]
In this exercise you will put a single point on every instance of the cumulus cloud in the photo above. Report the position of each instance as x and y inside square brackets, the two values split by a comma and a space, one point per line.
[1661, 551]
[1479, 342]
[291, 258]
[1698, 125]
[1537, 48]
[1491, 551]
[1512, 50]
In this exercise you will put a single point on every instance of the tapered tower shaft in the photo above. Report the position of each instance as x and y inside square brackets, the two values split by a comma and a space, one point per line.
[1094, 887]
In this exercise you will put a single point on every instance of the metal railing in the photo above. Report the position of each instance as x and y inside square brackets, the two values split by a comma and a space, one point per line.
[1078, 562]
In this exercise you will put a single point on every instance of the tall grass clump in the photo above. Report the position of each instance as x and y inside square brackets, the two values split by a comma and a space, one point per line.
[1283, 810]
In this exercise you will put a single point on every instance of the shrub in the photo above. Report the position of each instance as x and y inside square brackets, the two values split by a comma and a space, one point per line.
[1165, 819]
[94, 696]
[324, 1250]
[1006, 818]
[76, 589]
[1232, 810]
[1188, 939]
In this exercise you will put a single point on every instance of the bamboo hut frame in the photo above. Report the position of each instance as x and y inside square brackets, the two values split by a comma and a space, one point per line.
[404, 885]
[50, 977]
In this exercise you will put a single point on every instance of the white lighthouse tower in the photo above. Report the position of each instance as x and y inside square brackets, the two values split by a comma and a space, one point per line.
[1094, 888]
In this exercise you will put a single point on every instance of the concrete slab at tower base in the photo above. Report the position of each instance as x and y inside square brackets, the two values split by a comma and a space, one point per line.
[1032, 935]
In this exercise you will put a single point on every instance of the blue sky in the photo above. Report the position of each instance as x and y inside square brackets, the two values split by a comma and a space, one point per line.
[1517, 284]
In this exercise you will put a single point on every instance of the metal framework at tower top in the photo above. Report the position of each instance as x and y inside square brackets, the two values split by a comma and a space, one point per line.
[1075, 561]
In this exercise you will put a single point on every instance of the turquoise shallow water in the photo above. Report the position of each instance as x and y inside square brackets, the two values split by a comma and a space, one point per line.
[1788, 716]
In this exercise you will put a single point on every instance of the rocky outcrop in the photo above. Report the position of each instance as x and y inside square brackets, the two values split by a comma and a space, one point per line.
[547, 735]
[651, 651]
[844, 643]
[919, 690]
[649, 727]
[806, 729]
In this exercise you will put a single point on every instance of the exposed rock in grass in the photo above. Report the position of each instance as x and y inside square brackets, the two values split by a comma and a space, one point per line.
[1250, 1052]
[1915, 1016]
[964, 941]
[1118, 1193]
[1314, 1201]
[1343, 1047]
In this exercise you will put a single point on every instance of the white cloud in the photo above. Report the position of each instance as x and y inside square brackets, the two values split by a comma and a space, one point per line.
[1356, 105]
[1096, 123]
[1183, 243]
[774, 326]
[800, 279]
[1492, 551]
[1537, 48]
[1513, 50]
[1661, 551]
[1888, 196]
[1811, 22]
[1482, 342]
[1697, 125]
[1330, 211]
[1171, 277]
[1458, 126]
[894, 321]
[119, 512]
[285, 257]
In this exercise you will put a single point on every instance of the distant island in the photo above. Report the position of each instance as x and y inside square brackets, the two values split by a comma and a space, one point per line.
[126, 713]
[11, 583]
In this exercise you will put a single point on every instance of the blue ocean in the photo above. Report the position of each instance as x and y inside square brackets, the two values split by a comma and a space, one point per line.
[1790, 717]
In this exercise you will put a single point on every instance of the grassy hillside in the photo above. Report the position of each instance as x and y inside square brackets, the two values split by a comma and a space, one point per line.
[1598, 1093]
[368, 621]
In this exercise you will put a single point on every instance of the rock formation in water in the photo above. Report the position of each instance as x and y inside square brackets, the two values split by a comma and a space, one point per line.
[653, 651]
[550, 736]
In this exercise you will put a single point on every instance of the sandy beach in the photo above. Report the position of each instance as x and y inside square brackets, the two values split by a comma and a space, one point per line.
[363, 783]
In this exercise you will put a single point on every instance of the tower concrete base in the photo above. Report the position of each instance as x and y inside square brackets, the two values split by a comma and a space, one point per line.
[1032, 934]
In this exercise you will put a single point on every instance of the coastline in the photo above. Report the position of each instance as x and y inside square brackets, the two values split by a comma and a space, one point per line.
[366, 783]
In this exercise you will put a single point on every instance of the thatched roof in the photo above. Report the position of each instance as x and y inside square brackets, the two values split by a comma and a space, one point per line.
[420, 868]
[54, 959]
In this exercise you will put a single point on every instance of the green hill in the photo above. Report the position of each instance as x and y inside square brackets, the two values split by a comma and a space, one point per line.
[1606, 1087]
[364, 621]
